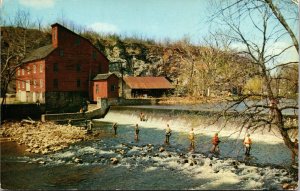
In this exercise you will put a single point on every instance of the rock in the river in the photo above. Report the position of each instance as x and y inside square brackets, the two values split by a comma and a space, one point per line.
[287, 186]
[143, 154]
[41, 162]
[78, 160]
[114, 160]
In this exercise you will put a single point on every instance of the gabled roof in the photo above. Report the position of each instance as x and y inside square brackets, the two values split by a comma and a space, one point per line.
[103, 76]
[39, 53]
[148, 82]
[61, 26]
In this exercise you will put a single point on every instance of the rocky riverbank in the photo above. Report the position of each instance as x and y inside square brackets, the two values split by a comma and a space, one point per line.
[44, 137]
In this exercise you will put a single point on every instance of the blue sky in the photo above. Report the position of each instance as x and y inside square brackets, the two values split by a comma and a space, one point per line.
[157, 19]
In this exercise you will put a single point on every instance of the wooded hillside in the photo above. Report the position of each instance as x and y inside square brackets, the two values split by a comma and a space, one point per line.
[194, 70]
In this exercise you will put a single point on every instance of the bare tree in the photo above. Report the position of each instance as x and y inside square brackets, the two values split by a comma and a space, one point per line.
[276, 11]
[75, 27]
[16, 41]
[277, 7]
[13, 46]
[11, 56]
[22, 19]
[259, 46]
[287, 81]
[39, 21]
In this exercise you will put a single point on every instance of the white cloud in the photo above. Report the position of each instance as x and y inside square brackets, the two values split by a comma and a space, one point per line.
[104, 28]
[289, 55]
[38, 4]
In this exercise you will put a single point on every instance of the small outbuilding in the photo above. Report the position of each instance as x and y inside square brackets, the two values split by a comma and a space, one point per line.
[105, 86]
[146, 86]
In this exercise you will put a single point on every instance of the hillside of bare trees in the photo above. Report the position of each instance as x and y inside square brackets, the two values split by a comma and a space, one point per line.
[193, 70]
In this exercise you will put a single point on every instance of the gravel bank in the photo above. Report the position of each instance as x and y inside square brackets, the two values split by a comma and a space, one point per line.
[44, 137]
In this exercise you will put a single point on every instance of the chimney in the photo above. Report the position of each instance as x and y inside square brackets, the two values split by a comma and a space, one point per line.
[55, 35]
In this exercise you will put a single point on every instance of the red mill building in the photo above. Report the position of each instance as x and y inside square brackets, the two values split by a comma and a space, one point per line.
[60, 75]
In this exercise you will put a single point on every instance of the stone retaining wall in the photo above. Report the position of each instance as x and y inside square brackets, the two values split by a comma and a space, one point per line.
[97, 113]
[122, 101]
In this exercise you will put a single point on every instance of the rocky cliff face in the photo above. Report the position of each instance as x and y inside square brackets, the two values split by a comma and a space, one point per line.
[193, 70]
[138, 58]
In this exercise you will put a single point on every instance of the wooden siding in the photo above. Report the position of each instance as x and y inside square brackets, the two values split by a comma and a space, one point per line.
[104, 88]
[68, 71]
[32, 76]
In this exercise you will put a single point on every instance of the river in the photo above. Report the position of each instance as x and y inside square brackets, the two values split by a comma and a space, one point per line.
[87, 165]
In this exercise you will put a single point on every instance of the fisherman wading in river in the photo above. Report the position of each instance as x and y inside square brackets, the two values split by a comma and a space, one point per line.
[247, 143]
[215, 142]
[136, 132]
[192, 140]
[168, 134]
[115, 126]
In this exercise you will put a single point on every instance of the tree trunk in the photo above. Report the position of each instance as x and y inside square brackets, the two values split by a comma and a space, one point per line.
[283, 23]
[278, 115]
[280, 125]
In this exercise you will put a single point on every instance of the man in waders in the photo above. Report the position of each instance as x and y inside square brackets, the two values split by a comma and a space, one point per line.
[168, 134]
[247, 144]
[142, 116]
[215, 142]
[136, 132]
[192, 140]
[89, 127]
[115, 126]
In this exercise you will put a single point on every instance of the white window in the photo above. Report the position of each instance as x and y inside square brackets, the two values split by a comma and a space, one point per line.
[23, 84]
[34, 83]
[19, 72]
[19, 85]
[27, 85]
[41, 68]
[41, 83]
[34, 68]
[23, 72]
[28, 69]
